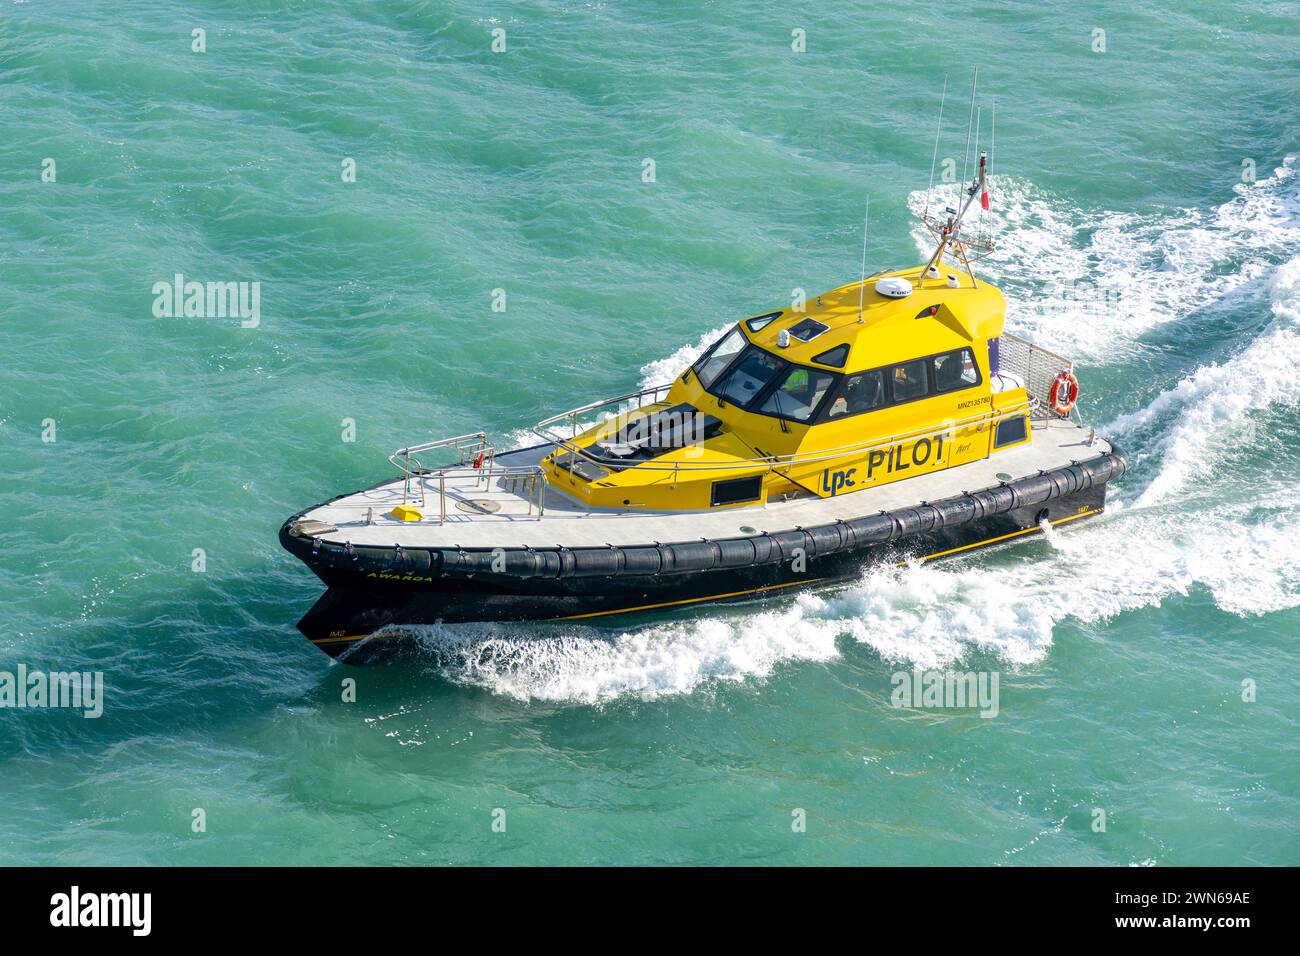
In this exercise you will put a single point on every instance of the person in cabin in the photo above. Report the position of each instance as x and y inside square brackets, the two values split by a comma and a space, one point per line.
[862, 393]
[909, 381]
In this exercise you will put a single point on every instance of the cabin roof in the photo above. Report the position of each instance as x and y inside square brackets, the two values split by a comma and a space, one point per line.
[890, 329]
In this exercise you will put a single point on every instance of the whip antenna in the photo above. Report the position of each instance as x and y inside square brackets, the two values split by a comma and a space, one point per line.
[993, 139]
[866, 214]
[934, 158]
[965, 158]
[979, 115]
[993, 152]
[948, 228]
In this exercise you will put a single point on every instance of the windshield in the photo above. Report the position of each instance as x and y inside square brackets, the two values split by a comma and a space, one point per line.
[754, 379]
[719, 357]
[749, 376]
[799, 394]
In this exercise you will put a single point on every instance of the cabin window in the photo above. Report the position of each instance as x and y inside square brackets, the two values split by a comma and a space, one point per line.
[1011, 431]
[748, 376]
[954, 370]
[717, 358]
[860, 393]
[799, 394]
[835, 357]
[908, 381]
[759, 322]
[737, 490]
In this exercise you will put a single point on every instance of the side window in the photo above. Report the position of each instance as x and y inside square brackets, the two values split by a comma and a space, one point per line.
[708, 368]
[799, 395]
[908, 381]
[1011, 431]
[954, 370]
[863, 392]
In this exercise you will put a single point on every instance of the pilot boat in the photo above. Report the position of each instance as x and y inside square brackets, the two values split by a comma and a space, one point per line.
[893, 419]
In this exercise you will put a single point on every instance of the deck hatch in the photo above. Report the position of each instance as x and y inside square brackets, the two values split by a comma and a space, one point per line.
[581, 467]
[807, 330]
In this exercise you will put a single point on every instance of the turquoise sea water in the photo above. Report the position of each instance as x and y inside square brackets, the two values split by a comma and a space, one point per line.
[1128, 239]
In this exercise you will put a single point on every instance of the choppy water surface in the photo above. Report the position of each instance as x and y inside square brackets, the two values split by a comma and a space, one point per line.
[1128, 238]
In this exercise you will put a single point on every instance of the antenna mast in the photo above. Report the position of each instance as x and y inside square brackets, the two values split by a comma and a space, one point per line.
[948, 230]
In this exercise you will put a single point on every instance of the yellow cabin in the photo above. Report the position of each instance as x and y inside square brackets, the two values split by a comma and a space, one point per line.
[874, 382]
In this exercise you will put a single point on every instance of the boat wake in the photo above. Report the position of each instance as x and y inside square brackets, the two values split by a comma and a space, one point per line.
[665, 369]
[924, 616]
[1166, 534]
[1215, 407]
[1088, 282]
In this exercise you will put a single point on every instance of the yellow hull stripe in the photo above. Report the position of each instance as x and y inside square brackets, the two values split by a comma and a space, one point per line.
[710, 597]
[768, 587]
[337, 640]
[1004, 537]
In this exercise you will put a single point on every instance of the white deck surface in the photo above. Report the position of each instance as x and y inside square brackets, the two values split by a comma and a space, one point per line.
[573, 524]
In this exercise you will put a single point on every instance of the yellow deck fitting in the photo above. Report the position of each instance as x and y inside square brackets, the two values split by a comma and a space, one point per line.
[406, 513]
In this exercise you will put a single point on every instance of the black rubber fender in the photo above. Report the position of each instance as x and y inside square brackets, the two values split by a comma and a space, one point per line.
[709, 554]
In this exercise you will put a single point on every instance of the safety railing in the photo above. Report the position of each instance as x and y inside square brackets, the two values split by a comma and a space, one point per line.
[1035, 366]
[770, 463]
[477, 460]
[631, 402]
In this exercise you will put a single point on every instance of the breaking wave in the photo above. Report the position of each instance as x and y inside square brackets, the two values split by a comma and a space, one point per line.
[1211, 409]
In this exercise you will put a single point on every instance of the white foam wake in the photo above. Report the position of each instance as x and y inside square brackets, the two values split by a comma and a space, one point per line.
[1087, 282]
[591, 667]
[928, 615]
[1208, 413]
[665, 369]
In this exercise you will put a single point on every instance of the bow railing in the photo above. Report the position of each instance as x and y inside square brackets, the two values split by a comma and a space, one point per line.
[477, 461]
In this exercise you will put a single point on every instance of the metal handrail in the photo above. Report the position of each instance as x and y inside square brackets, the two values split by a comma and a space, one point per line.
[480, 437]
[773, 462]
[1036, 365]
[483, 454]
[572, 414]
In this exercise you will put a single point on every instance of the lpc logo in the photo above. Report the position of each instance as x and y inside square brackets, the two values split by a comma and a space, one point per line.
[102, 909]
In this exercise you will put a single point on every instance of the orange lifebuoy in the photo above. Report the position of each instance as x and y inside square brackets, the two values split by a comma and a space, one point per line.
[478, 462]
[1065, 392]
